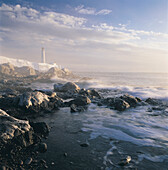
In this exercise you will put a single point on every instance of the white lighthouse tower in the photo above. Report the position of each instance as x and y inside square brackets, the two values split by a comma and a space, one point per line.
[43, 55]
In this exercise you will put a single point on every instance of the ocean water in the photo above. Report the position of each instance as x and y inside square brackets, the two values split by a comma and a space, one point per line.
[135, 132]
[142, 85]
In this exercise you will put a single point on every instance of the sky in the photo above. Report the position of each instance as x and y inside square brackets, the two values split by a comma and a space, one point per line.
[87, 35]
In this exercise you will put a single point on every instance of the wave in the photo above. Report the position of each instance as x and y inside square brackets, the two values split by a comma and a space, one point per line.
[139, 91]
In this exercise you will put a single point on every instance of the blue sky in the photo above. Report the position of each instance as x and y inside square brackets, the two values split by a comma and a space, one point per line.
[88, 35]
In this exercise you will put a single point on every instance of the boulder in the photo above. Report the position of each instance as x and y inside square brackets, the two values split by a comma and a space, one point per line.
[153, 101]
[30, 99]
[91, 93]
[7, 69]
[74, 108]
[120, 104]
[42, 147]
[115, 103]
[12, 128]
[37, 101]
[131, 100]
[40, 128]
[81, 101]
[26, 71]
[66, 87]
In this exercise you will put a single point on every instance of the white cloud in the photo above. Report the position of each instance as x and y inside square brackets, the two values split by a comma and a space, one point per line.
[68, 39]
[91, 11]
[104, 12]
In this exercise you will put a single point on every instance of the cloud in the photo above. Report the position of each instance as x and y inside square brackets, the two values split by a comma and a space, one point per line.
[91, 11]
[104, 12]
[69, 40]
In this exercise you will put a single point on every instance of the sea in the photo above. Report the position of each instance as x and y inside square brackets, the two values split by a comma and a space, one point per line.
[140, 132]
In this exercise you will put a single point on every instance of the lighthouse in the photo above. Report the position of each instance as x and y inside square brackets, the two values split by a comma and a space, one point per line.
[43, 55]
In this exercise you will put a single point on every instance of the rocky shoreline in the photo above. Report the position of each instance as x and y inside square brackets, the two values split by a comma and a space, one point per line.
[21, 137]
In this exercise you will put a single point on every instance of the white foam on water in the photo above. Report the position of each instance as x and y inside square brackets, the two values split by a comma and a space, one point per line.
[133, 125]
[158, 158]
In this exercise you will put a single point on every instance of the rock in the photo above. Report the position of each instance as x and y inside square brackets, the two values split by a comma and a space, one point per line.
[28, 161]
[116, 103]
[131, 100]
[11, 127]
[37, 101]
[7, 69]
[84, 144]
[3, 168]
[138, 99]
[93, 93]
[10, 70]
[74, 108]
[124, 162]
[120, 105]
[66, 87]
[26, 71]
[153, 101]
[42, 161]
[81, 101]
[40, 127]
[30, 99]
[42, 147]
[65, 154]
[159, 108]
[56, 72]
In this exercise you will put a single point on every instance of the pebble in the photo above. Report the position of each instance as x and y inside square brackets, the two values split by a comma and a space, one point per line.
[21, 162]
[65, 154]
[3, 168]
[125, 161]
[52, 163]
[28, 161]
[42, 147]
[43, 161]
[84, 144]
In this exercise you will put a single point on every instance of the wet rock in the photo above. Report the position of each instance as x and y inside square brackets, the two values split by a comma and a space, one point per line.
[80, 101]
[153, 101]
[66, 87]
[159, 108]
[120, 105]
[12, 127]
[84, 144]
[138, 99]
[3, 168]
[65, 154]
[74, 108]
[131, 100]
[42, 147]
[94, 94]
[125, 161]
[40, 127]
[149, 110]
[42, 161]
[28, 161]
[37, 101]
[91, 93]
[116, 103]
[36, 98]
[24, 140]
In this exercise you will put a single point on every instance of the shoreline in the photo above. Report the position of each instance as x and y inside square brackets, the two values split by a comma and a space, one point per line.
[68, 146]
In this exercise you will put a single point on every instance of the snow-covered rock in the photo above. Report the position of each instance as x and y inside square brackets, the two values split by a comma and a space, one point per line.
[20, 63]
